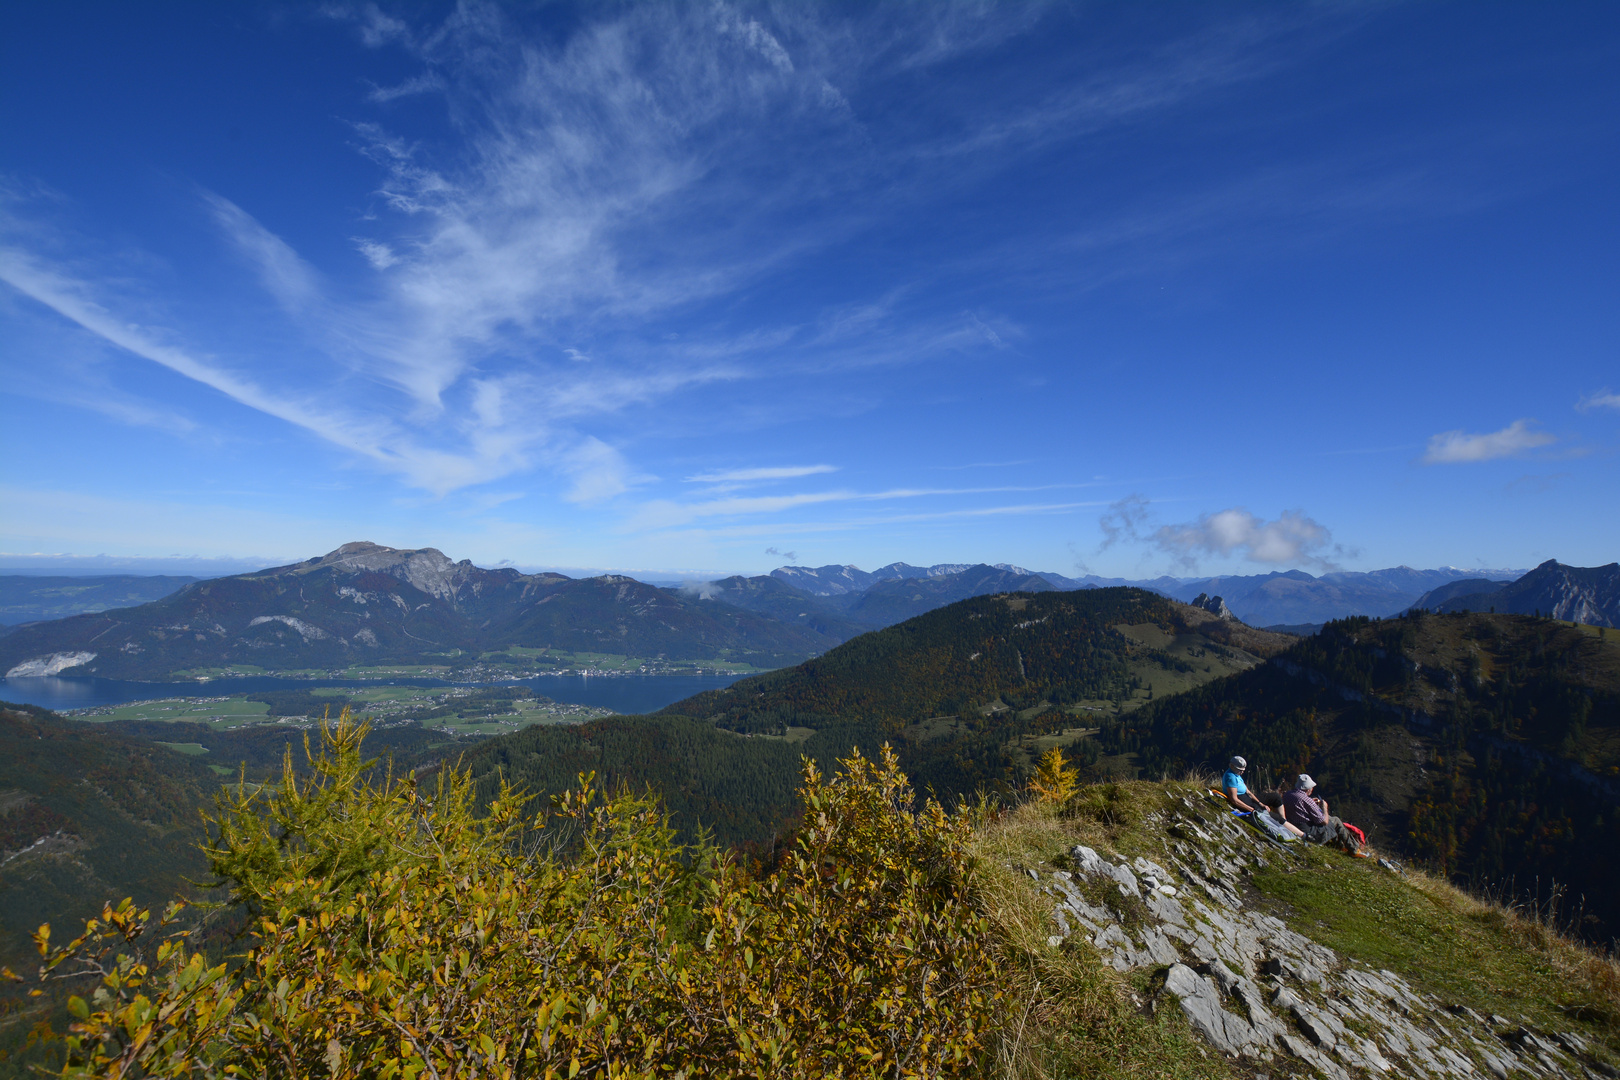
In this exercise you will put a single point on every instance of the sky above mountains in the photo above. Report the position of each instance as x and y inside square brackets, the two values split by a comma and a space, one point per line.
[717, 287]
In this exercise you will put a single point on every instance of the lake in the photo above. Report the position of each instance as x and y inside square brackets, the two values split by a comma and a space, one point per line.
[621, 693]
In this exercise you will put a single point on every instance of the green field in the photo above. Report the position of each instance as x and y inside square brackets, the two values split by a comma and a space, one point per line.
[516, 662]
[545, 660]
[190, 749]
[462, 709]
[224, 712]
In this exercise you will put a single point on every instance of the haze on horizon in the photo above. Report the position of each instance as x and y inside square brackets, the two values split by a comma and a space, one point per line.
[1188, 289]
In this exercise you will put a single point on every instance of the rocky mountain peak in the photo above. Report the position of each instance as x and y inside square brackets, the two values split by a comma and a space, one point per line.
[1214, 605]
[428, 569]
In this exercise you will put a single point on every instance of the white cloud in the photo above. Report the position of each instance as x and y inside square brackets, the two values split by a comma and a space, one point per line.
[380, 256]
[373, 437]
[420, 84]
[1458, 447]
[595, 186]
[798, 528]
[284, 275]
[665, 513]
[756, 37]
[1292, 538]
[1599, 399]
[599, 471]
[782, 472]
[1123, 521]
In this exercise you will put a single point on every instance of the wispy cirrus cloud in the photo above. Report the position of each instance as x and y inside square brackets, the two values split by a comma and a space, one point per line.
[667, 513]
[599, 185]
[777, 472]
[283, 273]
[1461, 447]
[856, 523]
[1599, 399]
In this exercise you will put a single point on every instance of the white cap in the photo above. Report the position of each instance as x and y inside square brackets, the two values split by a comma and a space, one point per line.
[1304, 783]
[1237, 763]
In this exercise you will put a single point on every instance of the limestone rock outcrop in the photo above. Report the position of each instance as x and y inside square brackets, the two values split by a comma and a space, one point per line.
[1257, 990]
[1214, 605]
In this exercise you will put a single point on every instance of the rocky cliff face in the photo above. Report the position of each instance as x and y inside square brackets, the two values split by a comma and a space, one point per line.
[1214, 605]
[1183, 905]
[428, 569]
[1582, 594]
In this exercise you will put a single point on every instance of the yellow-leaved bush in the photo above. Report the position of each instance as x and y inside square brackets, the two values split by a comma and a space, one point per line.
[395, 934]
[1054, 781]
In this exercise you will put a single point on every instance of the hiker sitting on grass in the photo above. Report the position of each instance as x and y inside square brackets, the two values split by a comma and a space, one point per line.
[1235, 790]
[1237, 793]
[1309, 814]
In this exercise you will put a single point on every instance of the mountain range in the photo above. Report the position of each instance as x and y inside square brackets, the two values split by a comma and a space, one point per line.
[366, 604]
[33, 597]
[1582, 594]
[1482, 743]
[1281, 598]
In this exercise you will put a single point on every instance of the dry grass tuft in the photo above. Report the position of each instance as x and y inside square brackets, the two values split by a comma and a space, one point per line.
[1068, 1014]
[1593, 977]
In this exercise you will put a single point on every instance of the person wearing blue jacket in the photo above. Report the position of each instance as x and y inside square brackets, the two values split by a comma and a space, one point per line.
[1237, 793]
[1235, 790]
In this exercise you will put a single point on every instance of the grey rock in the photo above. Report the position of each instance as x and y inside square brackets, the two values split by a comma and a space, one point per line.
[1497, 1065]
[1263, 978]
[1455, 1062]
[1366, 1051]
[1201, 1003]
[1572, 1042]
[1315, 1026]
[1094, 865]
[1302, 970]
[1113, 938]
[1224, 977]
[1159, 948]
[1315, 1058]
[1149, 868]
[1166, 909]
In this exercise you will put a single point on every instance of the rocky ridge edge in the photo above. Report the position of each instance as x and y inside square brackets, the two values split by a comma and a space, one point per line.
[1258, 991]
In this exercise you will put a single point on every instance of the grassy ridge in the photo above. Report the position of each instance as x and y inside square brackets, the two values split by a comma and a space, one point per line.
[1486, 745]
[1084, 1019]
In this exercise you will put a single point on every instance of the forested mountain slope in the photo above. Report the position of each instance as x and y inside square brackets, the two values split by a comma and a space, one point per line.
[739, 788]
[1488, 745]
[367, 604]
[1435, 598]
[887, 602]
[88, 815]
[954, 688]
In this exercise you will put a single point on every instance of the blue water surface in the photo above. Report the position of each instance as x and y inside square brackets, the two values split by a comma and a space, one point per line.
[621, 693]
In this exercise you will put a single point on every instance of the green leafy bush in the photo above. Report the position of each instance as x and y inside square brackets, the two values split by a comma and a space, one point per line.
[396, 935]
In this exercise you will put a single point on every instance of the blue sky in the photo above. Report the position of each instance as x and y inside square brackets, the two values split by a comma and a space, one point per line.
[1130, 289]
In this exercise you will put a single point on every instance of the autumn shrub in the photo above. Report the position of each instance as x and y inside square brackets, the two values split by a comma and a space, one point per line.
[397, 934]
[1054, 781]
